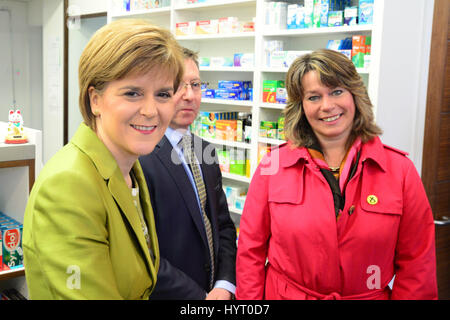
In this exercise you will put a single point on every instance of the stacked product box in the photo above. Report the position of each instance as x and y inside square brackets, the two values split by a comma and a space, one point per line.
[274, 91]
[235, 195]
[225, 25]
[284, 59]
[137, 5]
[230, 90]
[361, 48]
[357, 48]
[11, 254]
[218, 125]
[272, 129]
[234, 160]
[318, 13]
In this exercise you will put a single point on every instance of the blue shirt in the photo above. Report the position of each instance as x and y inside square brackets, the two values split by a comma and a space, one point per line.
[174, 137]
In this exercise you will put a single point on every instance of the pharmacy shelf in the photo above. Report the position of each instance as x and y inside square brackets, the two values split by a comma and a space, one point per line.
[285, 69]
[217, 36]
[12, 273]
[233, 144]
[246, 103]
[271, 141]
[235, 177]
[267, 105]
[317, 31]
[227, 44]
[157, 12]
[227, 69]
[235, 210]
[217, 5]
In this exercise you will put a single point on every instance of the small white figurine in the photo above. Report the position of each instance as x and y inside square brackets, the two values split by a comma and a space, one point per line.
[15, 128]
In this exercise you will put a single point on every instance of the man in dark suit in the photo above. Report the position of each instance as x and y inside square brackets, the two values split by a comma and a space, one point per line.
[197, 238]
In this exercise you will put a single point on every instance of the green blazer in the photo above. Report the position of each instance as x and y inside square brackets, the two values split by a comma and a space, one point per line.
[83, 237]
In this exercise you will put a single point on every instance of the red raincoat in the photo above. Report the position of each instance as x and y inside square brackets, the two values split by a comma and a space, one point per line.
[385, 229]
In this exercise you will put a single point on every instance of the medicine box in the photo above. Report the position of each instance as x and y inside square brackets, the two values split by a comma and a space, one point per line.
[245, 60]
[237, 161]
[335, 18]
[268, 129]
[365, 11]
[204, 61]
[309, 9]
[358, 50]
[224, 160]
[270, 90]
[350, 16]
[221, 62]
[228, 25]
[239, 202]
[207, 26]
[226, 130]
[185, 28]
[11, 253]
[280, 129]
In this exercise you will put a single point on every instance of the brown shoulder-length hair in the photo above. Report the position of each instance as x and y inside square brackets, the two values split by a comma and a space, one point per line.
[334, 70]
[123, 48]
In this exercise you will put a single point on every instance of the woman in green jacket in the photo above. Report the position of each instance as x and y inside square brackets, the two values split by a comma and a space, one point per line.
[89, 231]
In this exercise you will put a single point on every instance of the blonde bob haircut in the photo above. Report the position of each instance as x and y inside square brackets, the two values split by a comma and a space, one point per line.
[334, 70]
[126, 47]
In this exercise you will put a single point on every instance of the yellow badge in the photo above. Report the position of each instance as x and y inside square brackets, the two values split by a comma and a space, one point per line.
[372, 199]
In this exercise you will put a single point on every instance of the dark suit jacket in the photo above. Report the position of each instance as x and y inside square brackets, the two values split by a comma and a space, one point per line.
[185, 265]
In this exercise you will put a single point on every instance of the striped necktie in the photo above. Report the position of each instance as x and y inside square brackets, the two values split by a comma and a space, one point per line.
[191, 160]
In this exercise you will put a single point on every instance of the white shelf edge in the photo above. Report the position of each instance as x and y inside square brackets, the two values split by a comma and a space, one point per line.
[270, 141]
[232, 69]
[216, 36]
[149, 12]
[279, 106]
[285, 69]
[218, 3]
[316, 31]
[245, 103]
[235, 210]
[235, 144]
[236, 177]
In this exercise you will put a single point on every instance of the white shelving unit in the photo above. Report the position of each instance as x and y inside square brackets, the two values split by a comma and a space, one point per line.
[213, 45]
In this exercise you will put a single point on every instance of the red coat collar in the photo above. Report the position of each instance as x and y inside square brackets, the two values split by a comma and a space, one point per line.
[372, 150]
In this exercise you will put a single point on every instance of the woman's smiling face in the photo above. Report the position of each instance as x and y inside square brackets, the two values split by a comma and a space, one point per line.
[133, 113]
[329, 111]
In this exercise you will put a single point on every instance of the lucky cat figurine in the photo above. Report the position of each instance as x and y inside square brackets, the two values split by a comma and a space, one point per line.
[15, 128]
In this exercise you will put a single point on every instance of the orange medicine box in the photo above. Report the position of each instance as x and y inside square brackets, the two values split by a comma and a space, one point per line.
[226, 129]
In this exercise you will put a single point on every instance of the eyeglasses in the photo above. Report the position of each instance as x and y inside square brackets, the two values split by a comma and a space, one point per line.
[196, 86]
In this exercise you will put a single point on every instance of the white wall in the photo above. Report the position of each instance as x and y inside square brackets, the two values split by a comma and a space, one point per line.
[78, 38]
[403, 75]
[89, 6]
[27, 56]
[53, 67]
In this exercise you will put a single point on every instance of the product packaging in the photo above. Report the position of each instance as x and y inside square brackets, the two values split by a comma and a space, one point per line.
[245, 60]
[335, 19]
[228, 25]
[221, 62]
[365, 11]
[226, 130]
[270, 90]
[207, 26]
[11, 232]
[350, 16]
[185, 28]
[358, 50]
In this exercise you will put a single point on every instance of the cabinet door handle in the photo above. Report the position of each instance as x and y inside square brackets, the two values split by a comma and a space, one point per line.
[443, 222]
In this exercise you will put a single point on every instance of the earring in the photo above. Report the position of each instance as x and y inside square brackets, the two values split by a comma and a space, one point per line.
[96, 113]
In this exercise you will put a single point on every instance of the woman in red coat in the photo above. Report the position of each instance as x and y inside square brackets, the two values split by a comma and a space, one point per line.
[334, 213]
